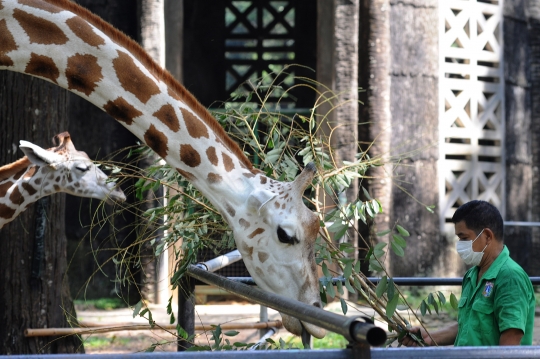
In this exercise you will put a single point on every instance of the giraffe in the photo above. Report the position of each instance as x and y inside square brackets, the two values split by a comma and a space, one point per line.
[275, 232]
[43, 172]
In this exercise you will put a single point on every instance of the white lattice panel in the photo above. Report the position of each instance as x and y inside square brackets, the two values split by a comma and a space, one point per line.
[471, 113]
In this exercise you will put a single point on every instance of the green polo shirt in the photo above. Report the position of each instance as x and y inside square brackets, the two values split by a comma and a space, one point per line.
[503, 299]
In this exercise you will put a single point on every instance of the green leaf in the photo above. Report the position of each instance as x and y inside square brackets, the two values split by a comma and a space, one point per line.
[137, 309]
[442, 298]
[347, 272]
[379, 249]
[391, 306]
[145, 310]
[436, 307]
[390, 292]
[339, 286]
[453, 301]
[231, 333]
[366, 193]
[383, 233]
[325, 271]
[381, 287]
[430, 299]
[374, 265]
[339, 234]
[402, 231]
[343, 306]
[330, 290]
[398, 250]
[349, 286]
[423, 306]
[400, 241]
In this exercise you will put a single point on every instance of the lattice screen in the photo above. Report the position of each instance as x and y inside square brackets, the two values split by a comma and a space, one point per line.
[471, 120]
[259, 42]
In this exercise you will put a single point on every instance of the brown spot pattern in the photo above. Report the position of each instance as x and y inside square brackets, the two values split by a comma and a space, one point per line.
[37, 181]
[195, 127]
[83, 73]
[187, 175]
[19, 174]
[212, 155]
[4, 188]
[230, 210]
[245, 224]
[84, 31]
[263, 256]
[42, 66]
[167, 115]
[157, 141]
[263, 180]
[228, 162]
[16, 196]
[277, 204]
[189, 155]
[121, 110]
[255, 232]
[248, 250]
[214, 178]
[6, 212]
[56, 187]
[41, 5]
[7, 44]
[39, 30]
[133, 79]
[28, 188]
[248, 174]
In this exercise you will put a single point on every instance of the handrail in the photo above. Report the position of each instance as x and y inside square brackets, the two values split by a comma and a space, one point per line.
[354, 329]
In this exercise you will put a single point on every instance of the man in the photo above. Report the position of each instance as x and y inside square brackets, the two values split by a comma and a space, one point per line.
[497, 302]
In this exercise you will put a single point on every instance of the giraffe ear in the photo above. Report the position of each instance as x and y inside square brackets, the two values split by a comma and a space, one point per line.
[38, 155]
[258, 198]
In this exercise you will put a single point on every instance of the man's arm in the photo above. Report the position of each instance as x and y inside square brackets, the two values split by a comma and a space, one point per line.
[445, 336]
[511, 336]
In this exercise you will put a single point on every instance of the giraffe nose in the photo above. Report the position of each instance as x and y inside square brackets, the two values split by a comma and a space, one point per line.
[317, 304]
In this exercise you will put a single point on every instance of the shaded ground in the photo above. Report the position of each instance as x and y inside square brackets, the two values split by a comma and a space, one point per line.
[130, 341]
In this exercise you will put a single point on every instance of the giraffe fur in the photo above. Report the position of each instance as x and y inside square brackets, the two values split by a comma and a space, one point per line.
[273, 229]
[43, 172]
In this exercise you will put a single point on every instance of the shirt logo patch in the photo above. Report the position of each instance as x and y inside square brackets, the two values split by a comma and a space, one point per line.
[488, 289]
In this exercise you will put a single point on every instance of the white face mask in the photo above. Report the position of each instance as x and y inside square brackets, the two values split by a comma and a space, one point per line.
[465, 251]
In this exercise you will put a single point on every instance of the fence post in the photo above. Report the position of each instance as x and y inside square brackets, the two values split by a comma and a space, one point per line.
[186, 310]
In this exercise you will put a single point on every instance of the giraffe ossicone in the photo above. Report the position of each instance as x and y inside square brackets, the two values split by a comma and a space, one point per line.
[61, 42]
[43, 172]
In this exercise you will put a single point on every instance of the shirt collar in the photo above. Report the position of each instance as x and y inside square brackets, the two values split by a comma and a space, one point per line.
[497, 264]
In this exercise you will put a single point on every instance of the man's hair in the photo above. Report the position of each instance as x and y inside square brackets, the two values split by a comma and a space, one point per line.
[478, 215]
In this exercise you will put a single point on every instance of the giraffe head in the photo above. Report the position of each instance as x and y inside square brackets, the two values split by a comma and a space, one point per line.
[72, 171]
[277, 242]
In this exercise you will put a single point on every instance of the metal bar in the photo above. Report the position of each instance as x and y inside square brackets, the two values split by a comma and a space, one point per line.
[521, 352]
[186, 311]
[522, 224]
[334, 322]
[261, 341]
[222, 261]
[412, 281]
[518, 352]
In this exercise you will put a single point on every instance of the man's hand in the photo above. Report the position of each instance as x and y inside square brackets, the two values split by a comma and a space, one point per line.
[408, 341]
[511, 336]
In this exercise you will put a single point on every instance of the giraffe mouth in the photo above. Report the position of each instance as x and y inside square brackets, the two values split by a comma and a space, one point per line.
[115, 196]
[296, 327]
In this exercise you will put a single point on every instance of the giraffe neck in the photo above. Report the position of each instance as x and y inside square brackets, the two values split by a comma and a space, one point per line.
[21, 184]
[63, 43]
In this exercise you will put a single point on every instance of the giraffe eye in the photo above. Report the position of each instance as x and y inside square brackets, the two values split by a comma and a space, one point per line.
[285, 238]
[82, 168]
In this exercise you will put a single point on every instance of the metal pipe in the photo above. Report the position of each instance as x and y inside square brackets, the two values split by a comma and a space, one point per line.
[261, 341]
[334, 322]
[521, 352]
[222, 261]
[522, 224]
[411, 281]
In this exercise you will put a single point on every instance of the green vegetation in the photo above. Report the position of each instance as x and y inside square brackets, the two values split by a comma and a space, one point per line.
[101, 303]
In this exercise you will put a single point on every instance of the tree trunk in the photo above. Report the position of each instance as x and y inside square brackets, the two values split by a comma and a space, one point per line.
[375, 114]
[345, 136]
[33, 285]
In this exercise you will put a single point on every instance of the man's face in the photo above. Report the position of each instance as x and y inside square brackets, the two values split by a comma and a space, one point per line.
[466, 234]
